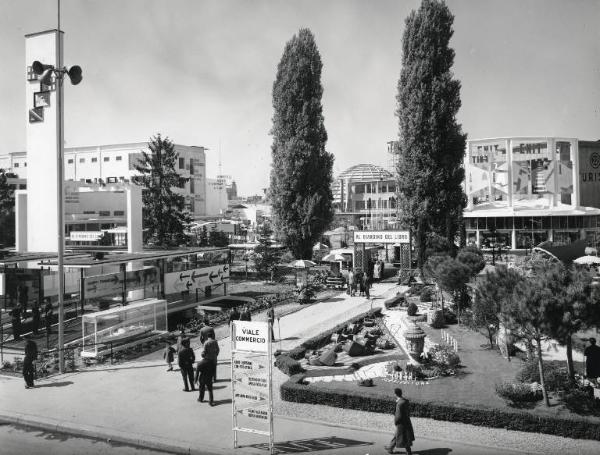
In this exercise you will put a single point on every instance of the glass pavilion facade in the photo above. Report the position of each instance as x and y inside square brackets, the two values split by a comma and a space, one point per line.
[522, 191]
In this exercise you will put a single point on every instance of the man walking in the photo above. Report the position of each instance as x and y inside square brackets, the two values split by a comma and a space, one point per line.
[405, 435]
[204, 377]
[211, 352]
[186, 360]
[31, 353]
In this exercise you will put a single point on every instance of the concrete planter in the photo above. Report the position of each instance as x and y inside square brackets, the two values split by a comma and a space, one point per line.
[415, 340]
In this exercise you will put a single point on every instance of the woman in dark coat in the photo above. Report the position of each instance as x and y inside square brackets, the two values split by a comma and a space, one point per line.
[405, 435]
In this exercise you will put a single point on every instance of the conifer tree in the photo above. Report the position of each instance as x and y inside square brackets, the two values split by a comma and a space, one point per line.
[301, 171]
[7, 214]
[431, 142]
[165, 217]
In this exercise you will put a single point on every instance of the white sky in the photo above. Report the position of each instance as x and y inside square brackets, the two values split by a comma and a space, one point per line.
[202, 71]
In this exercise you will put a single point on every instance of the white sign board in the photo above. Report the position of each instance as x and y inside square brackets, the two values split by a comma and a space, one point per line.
[190, 280]
[250, 336]
[381, 237]
[251, 375]
[85, 236]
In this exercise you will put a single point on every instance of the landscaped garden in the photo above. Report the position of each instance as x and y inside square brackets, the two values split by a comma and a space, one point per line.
[477, 384]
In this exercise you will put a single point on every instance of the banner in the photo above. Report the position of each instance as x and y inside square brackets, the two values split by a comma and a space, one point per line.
[190, 280]
[381, 237]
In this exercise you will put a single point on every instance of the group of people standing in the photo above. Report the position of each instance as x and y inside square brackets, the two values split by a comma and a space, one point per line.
[205, 373]
[18, 314]
[359, 281]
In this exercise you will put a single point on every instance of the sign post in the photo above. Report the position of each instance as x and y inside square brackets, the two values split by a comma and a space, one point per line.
[251, 379]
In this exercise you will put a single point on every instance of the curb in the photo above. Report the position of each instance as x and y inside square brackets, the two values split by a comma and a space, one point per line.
[109, 435]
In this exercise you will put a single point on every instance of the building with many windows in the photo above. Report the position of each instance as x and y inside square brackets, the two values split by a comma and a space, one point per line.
[115, 163]
[365, 196]
[522, 191]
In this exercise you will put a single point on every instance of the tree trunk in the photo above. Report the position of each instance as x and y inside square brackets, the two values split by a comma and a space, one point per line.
[570, 366]
[421, 245]
[541, 368]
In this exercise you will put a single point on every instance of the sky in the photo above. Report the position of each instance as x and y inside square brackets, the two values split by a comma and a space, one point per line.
[201, 72]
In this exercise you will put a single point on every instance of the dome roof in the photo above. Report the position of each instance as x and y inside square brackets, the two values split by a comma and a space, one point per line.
[366, 172]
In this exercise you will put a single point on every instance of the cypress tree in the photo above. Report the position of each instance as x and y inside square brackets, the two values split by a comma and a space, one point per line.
[431, 142]
[301, 171]
[164, 214]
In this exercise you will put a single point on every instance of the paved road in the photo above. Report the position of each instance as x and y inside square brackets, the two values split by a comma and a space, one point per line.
[17, 440]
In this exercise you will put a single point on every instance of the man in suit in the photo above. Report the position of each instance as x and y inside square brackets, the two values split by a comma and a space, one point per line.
[405, 435]
[271, 320]
[31, 353]
[211, 352]
[186, 360]
[204, 376]
[205, 332]
[234, 315]
[15, 318]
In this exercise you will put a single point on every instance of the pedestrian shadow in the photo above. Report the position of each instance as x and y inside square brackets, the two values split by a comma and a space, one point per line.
[217, 387]
[218, 402]
[312, 445]
[436, 451]
[290, 338]
[54, 384]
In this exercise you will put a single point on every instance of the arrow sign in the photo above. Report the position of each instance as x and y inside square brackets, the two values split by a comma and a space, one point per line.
[188, 285]
[247, 366]
[254, 381]
[212, 276]
[197, 275]
[255, 413]
[225, 268]
[182, 276]
[252, 396]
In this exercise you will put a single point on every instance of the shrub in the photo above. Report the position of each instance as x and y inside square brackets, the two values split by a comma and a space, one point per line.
[449, 316]
[437, 319]
[412, 309]
[444, 356]
[426, 294]
[518, 393]
[288, 365]
[580, 401]
[292, 390]
[555, 376]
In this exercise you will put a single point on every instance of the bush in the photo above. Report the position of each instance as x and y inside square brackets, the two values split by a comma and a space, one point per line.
[580, 401]
[518, 393]
[444, 356]
[412, 309]
[437, 319]
[426, 294]
[292, 390]
[288, 365]
[555, 376]
[396, 300]
[449, 316]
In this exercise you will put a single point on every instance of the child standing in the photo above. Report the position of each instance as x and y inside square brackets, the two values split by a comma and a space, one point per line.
[169, 355]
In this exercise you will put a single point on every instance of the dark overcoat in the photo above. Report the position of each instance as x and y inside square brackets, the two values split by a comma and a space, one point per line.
[404, 430]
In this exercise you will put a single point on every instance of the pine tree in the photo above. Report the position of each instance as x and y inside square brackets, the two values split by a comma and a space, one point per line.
[301, 171]
[264, 257]
[431, 142]
[165, 217]
[203, 237]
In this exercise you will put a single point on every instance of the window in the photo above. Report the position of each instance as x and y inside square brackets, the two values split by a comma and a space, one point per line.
[192, 186]
[191, 165]
[119, 158]
[106, 158]
[104, 212]
[181, 163]
[94, 160]
[16, 164]
[70, 161]
[119, 213]
[359, 189]
[25, 164]
[82, 160]
[391, 188]
[359, 205]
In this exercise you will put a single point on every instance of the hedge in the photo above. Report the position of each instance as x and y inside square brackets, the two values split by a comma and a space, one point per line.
[293, 390]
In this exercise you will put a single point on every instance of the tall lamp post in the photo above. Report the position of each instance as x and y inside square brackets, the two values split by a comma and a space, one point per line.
[47, 72]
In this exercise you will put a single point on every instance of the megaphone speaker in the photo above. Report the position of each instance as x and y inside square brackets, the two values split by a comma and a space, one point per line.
[38, 67]
[75, 74]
